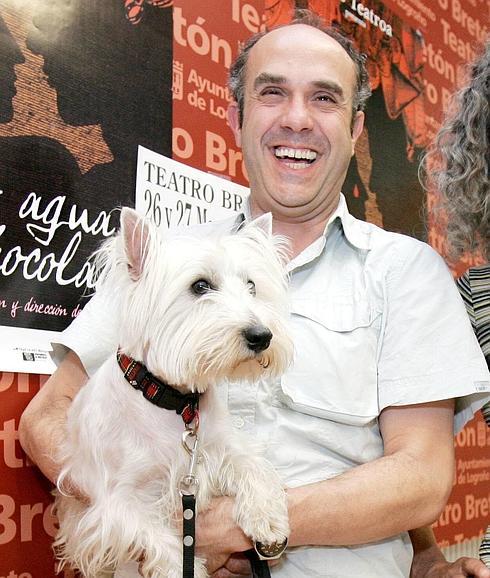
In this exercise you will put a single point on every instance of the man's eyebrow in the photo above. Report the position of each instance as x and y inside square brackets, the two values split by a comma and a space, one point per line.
[266, 78]
[330, 86]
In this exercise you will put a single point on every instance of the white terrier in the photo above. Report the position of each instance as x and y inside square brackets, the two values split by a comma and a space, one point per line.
[195, 312]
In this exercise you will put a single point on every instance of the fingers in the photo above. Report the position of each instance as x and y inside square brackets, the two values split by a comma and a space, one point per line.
[222, 573]
[461, 568]
[238, 565]
[474, 567]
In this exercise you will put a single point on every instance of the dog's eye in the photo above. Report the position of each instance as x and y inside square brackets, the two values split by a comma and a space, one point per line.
[251, 287]
[201, 287]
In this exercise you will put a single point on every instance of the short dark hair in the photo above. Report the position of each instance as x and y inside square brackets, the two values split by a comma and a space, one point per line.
[362, 90]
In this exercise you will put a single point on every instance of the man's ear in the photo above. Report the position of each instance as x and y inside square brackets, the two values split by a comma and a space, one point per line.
[135, 234]
[357, 127]
[234, 122]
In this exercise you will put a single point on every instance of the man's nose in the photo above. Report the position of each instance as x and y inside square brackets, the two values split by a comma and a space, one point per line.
[297, 115]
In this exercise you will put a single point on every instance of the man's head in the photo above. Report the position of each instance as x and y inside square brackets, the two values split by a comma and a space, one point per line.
[238, 67]
[297, 117]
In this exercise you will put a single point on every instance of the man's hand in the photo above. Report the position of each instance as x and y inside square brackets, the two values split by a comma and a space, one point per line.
[236, 565]
[462, 568]
[218, 538]
[429, 561]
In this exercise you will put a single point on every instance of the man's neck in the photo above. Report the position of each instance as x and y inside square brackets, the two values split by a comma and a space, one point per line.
[301, 235]
[301, 230]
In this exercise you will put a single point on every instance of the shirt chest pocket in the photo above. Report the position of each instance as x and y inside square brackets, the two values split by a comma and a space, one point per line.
[334, 374]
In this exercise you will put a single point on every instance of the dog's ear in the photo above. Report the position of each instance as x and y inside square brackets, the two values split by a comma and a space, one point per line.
[280, 243]
[264, 223]
[135, 234]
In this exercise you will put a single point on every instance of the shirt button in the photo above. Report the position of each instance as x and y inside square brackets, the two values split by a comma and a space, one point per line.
[238, 422]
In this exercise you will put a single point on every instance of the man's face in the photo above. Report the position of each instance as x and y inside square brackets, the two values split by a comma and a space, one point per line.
[296, 134]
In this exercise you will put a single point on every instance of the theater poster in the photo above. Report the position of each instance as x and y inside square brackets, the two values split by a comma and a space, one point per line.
[85, 83]
[82, 84]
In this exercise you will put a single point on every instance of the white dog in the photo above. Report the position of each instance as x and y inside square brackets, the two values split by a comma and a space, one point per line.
[194, 313]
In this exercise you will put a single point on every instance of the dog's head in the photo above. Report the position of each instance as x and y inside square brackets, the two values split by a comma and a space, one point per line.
[198, 310]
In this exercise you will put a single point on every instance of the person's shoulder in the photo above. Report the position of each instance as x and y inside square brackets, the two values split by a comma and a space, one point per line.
[393, 255]
[476, 280]
[381, 240]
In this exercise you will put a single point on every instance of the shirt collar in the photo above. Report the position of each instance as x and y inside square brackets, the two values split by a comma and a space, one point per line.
[357, 232]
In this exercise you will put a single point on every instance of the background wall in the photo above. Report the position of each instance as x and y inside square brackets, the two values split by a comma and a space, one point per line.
[83, 83]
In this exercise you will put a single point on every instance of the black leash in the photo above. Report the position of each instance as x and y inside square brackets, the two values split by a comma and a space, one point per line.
[260, 568]
[188, 534]
[186, 405]
[188, 490]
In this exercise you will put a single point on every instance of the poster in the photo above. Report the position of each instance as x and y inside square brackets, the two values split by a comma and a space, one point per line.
[82, 85]
[173, 194]
[81, 143]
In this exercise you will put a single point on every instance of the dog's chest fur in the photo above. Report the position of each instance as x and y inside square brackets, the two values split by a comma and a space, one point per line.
[147, 450]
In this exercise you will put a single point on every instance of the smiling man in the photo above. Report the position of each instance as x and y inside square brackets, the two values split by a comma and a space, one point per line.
[300, 127]
[360, 428]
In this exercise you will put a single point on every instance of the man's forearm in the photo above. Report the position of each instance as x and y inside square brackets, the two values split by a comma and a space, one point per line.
[366, 504]
[405, 489]
[42, 425]
[40, 435]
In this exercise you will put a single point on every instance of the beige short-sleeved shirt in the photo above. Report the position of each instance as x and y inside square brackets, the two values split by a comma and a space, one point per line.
[377, 321]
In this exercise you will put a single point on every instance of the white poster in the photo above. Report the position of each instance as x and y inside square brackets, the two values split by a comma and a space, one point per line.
[175, 195]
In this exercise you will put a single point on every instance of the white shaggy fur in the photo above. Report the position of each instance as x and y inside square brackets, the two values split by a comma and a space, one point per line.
[125, 454]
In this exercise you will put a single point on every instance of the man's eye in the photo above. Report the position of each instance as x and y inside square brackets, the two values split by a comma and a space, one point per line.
[325, 98]
[251, 287]
[201, 287]
[270, 91]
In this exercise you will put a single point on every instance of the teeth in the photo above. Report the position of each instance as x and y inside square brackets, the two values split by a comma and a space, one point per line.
[298, 165]
[284, 152]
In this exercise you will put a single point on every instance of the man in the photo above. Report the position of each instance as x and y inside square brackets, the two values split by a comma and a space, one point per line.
[361, 426]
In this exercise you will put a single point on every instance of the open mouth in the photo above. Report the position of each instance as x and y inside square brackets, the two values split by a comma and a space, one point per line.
[295, 158]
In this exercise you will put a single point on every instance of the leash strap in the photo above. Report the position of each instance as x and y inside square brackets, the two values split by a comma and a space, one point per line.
[260, 568]
[189, 535]
[188, 487]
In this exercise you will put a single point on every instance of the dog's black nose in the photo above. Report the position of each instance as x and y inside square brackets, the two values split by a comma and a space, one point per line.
[257, 337]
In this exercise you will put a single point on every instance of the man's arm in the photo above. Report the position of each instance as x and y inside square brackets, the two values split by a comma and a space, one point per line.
[406, 488]
[429, 561]
[41, 427]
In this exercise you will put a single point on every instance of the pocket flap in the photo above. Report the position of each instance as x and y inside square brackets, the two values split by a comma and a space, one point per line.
[337, 314]
[334, 375]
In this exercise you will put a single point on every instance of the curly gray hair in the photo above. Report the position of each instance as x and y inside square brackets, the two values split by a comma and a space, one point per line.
[457, 164]
[236, 80]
